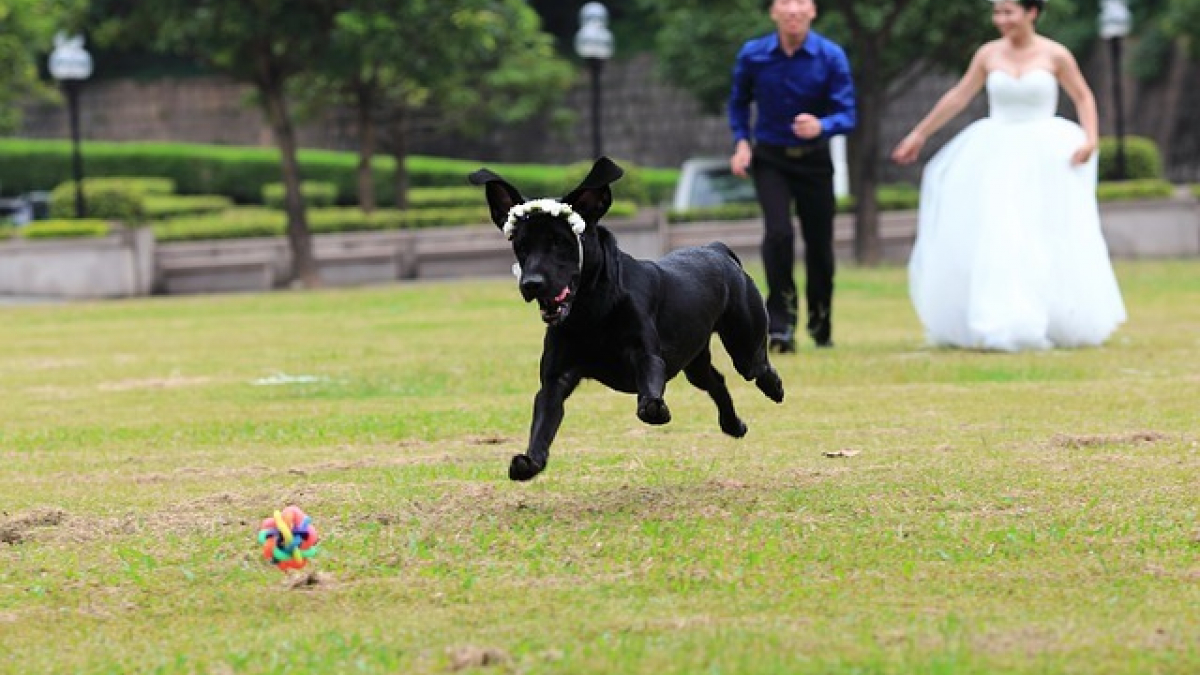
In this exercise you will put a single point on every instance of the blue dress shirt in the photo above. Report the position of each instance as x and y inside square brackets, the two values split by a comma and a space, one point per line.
[815, 79]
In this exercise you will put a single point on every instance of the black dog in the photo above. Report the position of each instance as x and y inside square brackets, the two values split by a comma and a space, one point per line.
[629, 324]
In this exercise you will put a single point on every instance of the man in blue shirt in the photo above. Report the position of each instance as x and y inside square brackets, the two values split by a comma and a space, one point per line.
[799, 82]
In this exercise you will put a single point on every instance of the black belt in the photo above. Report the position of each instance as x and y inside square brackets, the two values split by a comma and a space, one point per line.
[796, 151]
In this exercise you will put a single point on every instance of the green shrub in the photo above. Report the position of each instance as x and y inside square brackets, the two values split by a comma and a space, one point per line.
[7, 232]
[432, 197]
[110, 201]
[241, 222]
[66, 229]
[898, 197]
[1126, 190]
[146, 185]
[235, 223]
[316, 194]
[241, 172]
[631, 186]
[160, 207]
[722, 212]
[1196, 190]
[1142, 158]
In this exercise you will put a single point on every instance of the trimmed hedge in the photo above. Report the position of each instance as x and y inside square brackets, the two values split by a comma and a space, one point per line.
[146, 185]
[1142, 158]
[241, 172]
[900, 197]
[254, 221]
[316, 194]
[1128, 190]
[434, 197]
[161, 207]
[65, 229]
[111, 200]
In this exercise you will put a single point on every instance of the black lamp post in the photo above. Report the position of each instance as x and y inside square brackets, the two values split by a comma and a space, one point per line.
[70, 64]
[594, 43]
[1115, 24]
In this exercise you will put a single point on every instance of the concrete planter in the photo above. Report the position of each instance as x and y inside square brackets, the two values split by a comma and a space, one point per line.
[1159, 228]
[130, 264]
[119, 265]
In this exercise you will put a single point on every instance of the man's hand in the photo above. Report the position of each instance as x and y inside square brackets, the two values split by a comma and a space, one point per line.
[806, 126]
[740, 161]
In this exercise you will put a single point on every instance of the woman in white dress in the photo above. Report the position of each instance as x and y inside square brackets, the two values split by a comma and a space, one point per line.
[1009, 255]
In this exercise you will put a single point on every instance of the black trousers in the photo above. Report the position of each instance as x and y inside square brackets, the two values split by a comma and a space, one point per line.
[784, 177]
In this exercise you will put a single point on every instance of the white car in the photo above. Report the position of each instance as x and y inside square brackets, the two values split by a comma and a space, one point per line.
[707, 181]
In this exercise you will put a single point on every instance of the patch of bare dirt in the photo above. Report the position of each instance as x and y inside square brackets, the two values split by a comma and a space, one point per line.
[490, 439]
[307, 581]
[1097, 440]
[1028, 641]
[462, 658]
[16, 529]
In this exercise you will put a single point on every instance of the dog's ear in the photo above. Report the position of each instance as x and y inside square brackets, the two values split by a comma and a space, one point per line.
[593, 196]
[501, 196]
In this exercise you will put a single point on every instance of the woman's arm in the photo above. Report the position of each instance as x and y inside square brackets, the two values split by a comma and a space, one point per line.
[948, 106]
[1085, 102]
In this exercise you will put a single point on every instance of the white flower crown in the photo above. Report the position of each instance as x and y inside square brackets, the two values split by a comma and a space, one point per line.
[552, 207]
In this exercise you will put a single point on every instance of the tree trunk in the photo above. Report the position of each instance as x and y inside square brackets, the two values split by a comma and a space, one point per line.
[304, 267]
[399, 153]
[1164, 118]
[865, 157]
[366, 149]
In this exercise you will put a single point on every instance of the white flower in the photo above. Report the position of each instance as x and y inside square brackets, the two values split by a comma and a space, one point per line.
[551, 207]
[554, 208]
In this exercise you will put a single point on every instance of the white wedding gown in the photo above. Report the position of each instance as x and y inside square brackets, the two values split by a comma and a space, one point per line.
[1009, 255]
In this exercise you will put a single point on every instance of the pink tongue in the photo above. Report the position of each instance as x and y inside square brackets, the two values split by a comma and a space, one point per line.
[563, 296]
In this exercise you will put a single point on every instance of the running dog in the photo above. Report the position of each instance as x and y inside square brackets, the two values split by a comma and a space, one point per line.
[629, 324]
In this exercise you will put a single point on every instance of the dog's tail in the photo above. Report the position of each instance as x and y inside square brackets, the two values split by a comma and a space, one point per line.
[724, 248]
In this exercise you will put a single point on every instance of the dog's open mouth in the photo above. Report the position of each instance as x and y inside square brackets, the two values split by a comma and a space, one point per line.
[554, 310]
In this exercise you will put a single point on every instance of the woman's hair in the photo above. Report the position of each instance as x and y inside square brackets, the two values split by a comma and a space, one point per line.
[1039, 5]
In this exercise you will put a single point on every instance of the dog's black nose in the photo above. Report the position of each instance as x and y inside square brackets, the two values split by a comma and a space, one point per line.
[532, 286]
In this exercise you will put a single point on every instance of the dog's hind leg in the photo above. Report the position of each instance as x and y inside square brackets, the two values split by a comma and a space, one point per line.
[703, 376]
[747, 345]
[743, 331]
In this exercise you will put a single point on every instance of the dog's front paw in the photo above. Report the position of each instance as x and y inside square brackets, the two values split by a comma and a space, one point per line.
[653, 411]
[523, 468]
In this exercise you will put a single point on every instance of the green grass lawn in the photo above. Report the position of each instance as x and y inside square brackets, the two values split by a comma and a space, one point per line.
[1030, 513]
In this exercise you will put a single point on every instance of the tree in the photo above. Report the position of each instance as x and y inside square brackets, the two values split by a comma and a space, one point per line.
[262, 42]
[26, 31]
[485, 62]
[1183, 19]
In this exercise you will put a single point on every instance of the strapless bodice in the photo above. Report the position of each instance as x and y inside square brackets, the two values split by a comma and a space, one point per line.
[1032, 96]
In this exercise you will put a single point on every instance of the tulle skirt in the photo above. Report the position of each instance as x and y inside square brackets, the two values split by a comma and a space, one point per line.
[1009, 254]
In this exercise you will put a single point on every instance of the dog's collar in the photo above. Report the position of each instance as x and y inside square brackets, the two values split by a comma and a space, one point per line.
[551, 207]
